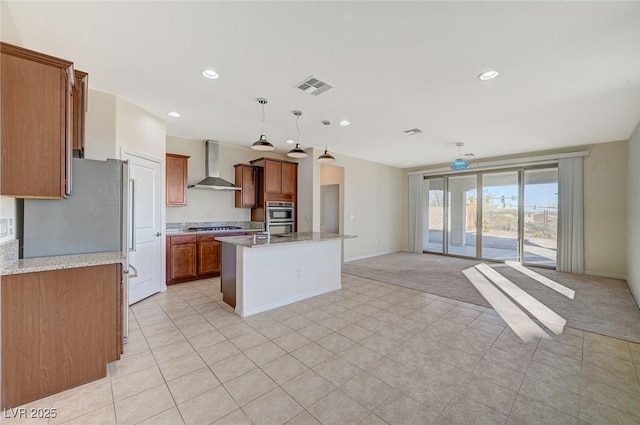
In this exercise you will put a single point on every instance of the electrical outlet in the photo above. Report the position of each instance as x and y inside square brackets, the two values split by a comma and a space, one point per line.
[6, 227]
[352, 217]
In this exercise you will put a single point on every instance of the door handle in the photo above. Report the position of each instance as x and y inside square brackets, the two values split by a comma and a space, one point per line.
[135, 271]
[158, 234]
[132, 247]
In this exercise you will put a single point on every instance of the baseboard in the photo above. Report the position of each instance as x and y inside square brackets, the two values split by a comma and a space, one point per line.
[609, 275]
[362, 257]
[260, 309]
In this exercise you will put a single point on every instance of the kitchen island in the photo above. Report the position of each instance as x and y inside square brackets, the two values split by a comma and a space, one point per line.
[265, 272]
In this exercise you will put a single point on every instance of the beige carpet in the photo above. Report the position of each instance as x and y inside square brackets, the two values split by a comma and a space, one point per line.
[601, 305]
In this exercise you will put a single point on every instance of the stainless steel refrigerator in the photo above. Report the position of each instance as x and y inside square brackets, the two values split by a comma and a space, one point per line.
[95, 217]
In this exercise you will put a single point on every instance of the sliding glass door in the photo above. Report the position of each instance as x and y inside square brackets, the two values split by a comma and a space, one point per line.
[500, 222]
[540, 217]
[518, 210]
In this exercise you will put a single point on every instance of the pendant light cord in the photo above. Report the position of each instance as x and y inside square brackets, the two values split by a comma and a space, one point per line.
[262, 118]
[298, 127]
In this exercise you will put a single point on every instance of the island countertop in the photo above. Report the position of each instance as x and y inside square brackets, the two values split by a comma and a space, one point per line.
[281, 239]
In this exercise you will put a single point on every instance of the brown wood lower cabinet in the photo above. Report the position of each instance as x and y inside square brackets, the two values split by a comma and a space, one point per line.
[59, 330]
[192, 257]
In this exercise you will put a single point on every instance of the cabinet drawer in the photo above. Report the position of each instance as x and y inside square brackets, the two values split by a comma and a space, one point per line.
[205, 238]
[175, 240]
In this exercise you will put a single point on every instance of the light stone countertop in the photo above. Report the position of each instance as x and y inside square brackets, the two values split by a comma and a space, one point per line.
[41, 264]
[282, 239]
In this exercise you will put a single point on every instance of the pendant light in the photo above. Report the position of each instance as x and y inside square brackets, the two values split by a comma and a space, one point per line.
[262, 144]
[326, 157]
[459, 163]
[297, 152]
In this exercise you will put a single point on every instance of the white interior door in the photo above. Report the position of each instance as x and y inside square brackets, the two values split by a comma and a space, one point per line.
[145, 241]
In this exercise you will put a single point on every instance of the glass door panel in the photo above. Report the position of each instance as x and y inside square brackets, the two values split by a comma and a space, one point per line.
[541, 217]
[462, 201]
[500, 216]
[433, 219]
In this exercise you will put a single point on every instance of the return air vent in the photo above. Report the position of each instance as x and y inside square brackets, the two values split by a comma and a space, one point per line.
[314, 86]
[413, 131]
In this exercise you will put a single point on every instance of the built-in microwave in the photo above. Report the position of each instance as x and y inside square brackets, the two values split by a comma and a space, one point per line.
[280, 212]
[279, 228]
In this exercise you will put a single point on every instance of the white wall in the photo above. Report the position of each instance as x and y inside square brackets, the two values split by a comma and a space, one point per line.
[332, 175]
[309, 192]
[140, 131]
[605, 210]
[100, 133]
[633, 214]
[211, 205]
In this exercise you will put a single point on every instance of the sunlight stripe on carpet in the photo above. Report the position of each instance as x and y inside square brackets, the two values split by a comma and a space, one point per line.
[544, 314]
[518, 321]
[567, 292]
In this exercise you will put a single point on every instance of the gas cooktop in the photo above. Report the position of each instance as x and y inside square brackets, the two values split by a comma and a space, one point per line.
[213, 228]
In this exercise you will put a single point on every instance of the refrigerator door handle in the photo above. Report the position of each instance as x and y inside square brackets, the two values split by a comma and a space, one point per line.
[132, 247]
[128, 272]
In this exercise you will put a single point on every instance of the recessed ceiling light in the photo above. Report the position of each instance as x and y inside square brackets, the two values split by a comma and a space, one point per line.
[210, 73]
[489, 74]
[291, 142]
[345, 123]
[174, 114]
[413, 131]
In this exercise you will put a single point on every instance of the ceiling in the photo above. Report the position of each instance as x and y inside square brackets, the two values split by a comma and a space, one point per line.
[570, 71]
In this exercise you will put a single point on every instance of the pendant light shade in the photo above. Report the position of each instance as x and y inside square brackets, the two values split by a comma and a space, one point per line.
[262, 144]
[297, 152]
[459, 163]
[326, 157]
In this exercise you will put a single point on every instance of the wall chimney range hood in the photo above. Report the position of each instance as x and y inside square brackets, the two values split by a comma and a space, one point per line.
[212, 168]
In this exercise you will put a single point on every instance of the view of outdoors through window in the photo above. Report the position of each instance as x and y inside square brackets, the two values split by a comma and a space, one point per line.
[453, 200]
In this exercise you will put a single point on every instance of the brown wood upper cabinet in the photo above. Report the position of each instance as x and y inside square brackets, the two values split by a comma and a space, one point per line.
[277, 178]
[246, 179]
[176, 179]
[80, 96]
[38, 122]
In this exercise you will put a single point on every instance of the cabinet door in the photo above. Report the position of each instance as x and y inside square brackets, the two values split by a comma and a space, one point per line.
[272, 177]
[209, 257]
[35, 108]
[246, 178]
[183, 260]
[176, 166]
[79, 109]
[289, 178]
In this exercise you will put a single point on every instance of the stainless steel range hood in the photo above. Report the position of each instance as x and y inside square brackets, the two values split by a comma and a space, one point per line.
[212, 167]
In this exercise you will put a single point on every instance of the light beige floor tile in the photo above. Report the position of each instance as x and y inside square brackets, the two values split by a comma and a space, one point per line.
[192, 384]
[441, 371]
[462, 409]
[611, 396]
[172, 351]
[367, 390]
[297, 322]
[284, 368]
[265, 353]
[249, 340]
[399, 409]
[550, 395]
[312, 354]
[360, 355]
[334, 323]
[103, 416]
[390, 372]
[609, 363]
[181, 366]
[81, 400]
[554, 377]
[338, 408]
[304, 418]
[134, 383]
[130, 364]
[567, 364]
[165, 338]
[315, 331]
[135, 346]
[273, 408]
[502, 376]
[565, 350]
[158, 328]
[355, 333]
[143, 405]
[208, 407]
[372, 323]
[232, 367]
[292, 341]
[249, 386]
[351, 315]
[307, 388]
[430, 392]
[275, 330]
[217, 352]
[473, 341]
[597, 413]
[168, 417]
[196, 329]
[335, 342]
[236, 417]
[379, 344]
[628, 383]
[336, 370]
[459, 358]
[317, 315]
[373, 419]
[206, 339]
[508, 359]
[489, 394]
[235, 330]
[529, 411]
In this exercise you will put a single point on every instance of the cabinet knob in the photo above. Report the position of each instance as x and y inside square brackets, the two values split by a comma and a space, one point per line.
[158, 234]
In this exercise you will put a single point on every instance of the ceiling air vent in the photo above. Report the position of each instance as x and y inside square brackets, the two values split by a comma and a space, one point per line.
[413, 131]
[314, 86]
